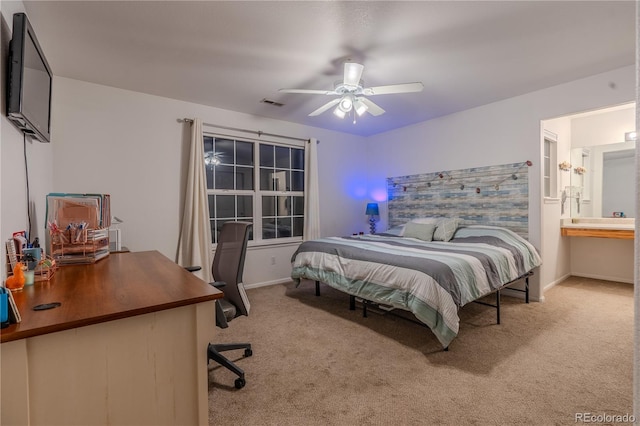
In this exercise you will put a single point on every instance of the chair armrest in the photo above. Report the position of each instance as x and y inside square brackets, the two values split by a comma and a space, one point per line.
[218, 284]
[193, 268]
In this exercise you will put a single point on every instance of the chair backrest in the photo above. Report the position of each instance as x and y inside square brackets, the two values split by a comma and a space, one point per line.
[228, 261]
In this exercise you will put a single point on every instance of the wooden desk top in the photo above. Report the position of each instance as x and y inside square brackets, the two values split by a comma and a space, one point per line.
[120, 286]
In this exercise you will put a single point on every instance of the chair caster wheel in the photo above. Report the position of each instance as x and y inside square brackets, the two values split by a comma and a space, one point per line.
[240, 383]
[248, 352]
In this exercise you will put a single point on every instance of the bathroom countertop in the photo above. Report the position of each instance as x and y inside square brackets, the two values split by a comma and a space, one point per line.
[623, 228]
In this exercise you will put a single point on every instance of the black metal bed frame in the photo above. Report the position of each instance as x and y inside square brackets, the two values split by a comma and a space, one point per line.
[365, 302]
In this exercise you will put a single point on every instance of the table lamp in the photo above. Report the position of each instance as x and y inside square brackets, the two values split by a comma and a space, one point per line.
[372, 211]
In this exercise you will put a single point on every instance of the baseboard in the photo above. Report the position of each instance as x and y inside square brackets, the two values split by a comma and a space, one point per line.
[605, 278]
[554, 283]
[267, 283]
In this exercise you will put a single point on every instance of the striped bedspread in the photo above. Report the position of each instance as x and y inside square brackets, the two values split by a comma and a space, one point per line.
[430, 279]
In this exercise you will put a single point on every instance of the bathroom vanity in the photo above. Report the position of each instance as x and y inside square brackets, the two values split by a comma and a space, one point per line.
[598, 227]
[601, 248]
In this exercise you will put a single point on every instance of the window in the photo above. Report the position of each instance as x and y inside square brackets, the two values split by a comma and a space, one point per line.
[550, 170]
[257, 182]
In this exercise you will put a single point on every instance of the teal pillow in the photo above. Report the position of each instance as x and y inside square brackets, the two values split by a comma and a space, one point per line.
[422, 231]
[445, 229]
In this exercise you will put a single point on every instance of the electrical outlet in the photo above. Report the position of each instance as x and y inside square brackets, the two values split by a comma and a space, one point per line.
[273, 260]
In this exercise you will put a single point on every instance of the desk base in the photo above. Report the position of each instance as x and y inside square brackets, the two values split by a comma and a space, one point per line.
[146, 369]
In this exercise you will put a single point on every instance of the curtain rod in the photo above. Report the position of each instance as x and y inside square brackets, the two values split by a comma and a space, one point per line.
[257, 132]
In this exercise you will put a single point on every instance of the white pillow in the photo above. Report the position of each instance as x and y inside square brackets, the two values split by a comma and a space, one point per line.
[422, 231]
[445, 229]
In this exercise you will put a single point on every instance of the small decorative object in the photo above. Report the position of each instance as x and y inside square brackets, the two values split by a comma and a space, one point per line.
[529, 163]
[514, 177]
[580, 170]
[45, 269]
[565, 166]
[440, 175]
[461, 187]
[16, 281]
[477, 190]
[372, 211]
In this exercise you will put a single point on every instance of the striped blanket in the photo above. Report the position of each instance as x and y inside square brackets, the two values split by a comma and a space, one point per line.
[430, 279]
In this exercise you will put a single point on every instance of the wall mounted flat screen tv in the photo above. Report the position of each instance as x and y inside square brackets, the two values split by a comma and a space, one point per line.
[29, 82]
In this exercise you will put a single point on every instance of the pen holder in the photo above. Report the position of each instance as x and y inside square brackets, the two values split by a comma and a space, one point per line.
[76, 245]
[32, 256]
[78, 235]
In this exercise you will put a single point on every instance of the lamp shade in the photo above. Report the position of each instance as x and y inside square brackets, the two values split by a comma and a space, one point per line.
[372, 209]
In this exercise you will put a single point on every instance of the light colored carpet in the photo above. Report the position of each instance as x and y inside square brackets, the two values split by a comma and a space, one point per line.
[315, 362]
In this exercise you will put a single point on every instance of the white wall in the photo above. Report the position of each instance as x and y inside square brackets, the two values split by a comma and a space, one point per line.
[602, 128]
[13, 182]
[130, 145]
[502, 132]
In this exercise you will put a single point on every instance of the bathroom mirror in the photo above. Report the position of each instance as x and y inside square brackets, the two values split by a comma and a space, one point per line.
[602, 180]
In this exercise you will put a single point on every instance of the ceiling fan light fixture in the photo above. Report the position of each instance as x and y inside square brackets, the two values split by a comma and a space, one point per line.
[338, 112]
[346, 104]
[360, 106]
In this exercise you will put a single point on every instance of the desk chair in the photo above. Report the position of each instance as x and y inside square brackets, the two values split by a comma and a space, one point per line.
[227, 267]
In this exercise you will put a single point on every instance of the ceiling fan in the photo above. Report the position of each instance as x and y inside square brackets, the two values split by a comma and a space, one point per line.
[352, 94]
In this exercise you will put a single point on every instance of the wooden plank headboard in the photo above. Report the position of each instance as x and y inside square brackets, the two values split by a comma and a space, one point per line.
[491, 195]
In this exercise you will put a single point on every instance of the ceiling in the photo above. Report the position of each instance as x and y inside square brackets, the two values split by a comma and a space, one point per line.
[233, 54]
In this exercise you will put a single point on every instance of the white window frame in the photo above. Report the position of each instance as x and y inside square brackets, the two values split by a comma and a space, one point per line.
[550, 168]
[257, 193]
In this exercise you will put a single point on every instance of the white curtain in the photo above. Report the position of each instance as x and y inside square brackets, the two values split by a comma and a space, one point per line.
[312, 196]
[194, 247]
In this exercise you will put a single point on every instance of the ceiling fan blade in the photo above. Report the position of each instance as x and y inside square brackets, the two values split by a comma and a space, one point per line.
[309, 91]
[352, 73]
[393, 88]
[372, 108]
[325, 107]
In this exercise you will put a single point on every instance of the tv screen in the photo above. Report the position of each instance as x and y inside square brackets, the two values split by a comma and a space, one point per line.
[29, 100]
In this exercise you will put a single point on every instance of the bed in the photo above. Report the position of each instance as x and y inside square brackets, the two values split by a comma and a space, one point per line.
[431, 279]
